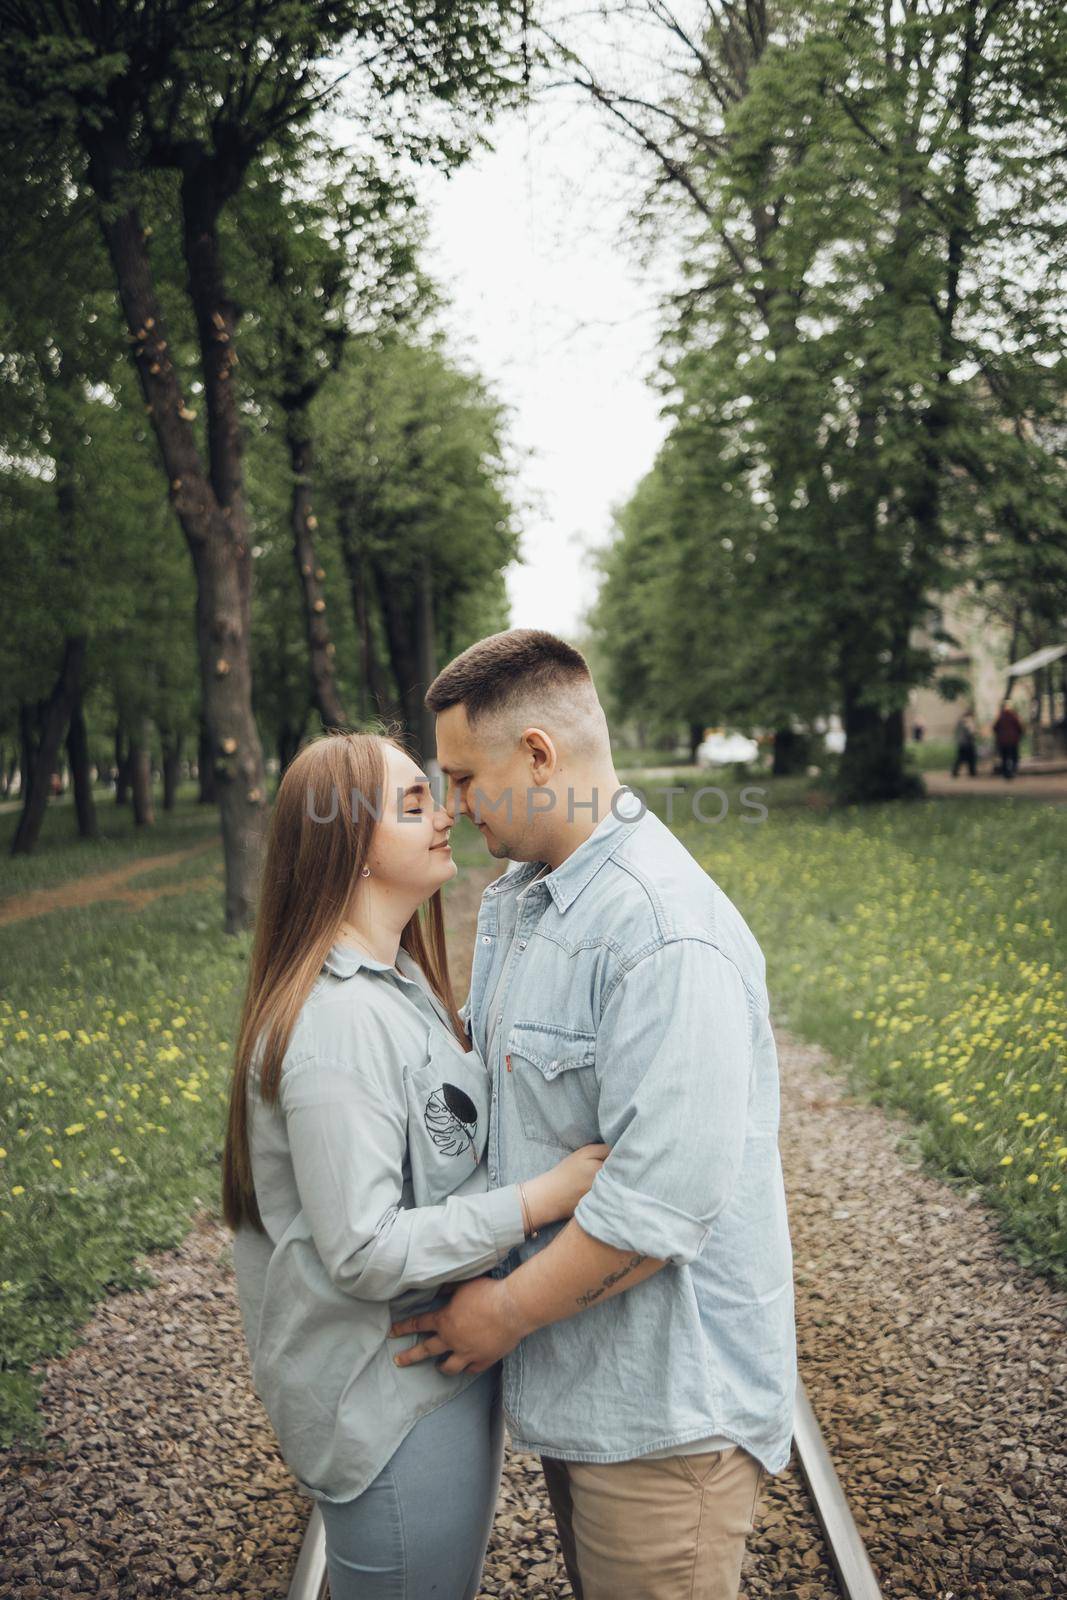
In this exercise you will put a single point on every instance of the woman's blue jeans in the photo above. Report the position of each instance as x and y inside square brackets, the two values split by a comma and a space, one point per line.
[422, 1527]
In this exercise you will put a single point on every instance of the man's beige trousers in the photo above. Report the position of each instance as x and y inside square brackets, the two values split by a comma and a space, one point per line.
[670, 1529]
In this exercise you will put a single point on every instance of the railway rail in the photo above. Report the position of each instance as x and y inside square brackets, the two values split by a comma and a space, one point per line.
[856, 1577]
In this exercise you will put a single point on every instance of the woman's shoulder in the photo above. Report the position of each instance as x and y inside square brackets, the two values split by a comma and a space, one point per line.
[356, 1024]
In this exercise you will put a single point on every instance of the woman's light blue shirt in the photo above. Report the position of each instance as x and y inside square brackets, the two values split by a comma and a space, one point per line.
[371, 1182]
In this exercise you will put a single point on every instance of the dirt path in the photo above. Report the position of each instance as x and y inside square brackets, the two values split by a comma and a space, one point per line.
[1030, 785]
[1040, 785]
[113, 885]
[936, 1367]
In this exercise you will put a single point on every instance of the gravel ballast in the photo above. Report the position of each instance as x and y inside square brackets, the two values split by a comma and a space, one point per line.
[936, 1366]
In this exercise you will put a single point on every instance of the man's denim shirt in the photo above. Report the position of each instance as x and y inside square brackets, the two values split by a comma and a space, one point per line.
[632, 1010]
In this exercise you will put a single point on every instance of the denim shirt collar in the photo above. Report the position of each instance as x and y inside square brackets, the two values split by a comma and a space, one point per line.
[568, 880]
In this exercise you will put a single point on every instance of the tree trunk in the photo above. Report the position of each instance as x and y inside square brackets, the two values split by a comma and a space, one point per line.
[61, 702]
[28, 724]
[209, 505]
[426, 727]
[321, 649]
[81, 778]
[172, 756]
[288, 745]
[122, 765]
[401, 632]
[141, 773]
[205, 768]
[791, 751]
[696, 738]
[872, 764]
[372, 685]
[226, 690]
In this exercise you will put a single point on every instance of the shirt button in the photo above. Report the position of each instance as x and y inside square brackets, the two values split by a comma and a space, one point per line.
[522, 944]
[485, 938]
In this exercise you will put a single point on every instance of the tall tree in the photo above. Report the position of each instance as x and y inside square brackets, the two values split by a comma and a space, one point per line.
[56, 350]
[340, 259]
[168, 105]
[416, 476]
[853, 182]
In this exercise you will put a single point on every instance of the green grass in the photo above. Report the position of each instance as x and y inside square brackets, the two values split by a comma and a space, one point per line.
[931, 755]
[924, 945]
[115, 1052]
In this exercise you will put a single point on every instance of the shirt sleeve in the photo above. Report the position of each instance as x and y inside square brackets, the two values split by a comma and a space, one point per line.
[673, 1065]
[348, 1142]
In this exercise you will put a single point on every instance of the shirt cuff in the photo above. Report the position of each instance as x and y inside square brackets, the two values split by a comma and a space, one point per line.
[506, 1218]
[628, 1220]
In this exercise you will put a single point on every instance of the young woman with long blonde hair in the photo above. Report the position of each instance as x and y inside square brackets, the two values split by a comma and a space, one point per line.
[354, 1176]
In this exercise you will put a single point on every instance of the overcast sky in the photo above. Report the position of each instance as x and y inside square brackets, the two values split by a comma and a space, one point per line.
[551, 307]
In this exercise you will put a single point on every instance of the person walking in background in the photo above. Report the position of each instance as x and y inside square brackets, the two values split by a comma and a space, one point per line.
[966, 746]
[1007, 731]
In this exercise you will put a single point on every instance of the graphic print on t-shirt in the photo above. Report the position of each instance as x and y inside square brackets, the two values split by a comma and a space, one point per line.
[451, 1118]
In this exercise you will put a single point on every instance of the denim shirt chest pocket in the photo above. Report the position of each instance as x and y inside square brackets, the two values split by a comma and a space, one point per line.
[555, 1087]
[448, 1119]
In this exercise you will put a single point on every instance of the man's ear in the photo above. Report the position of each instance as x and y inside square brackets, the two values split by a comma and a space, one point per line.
[542, 750]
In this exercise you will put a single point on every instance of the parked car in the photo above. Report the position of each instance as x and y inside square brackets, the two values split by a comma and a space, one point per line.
[720, 749]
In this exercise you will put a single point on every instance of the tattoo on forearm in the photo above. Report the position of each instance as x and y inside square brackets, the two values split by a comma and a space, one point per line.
[590, 1295]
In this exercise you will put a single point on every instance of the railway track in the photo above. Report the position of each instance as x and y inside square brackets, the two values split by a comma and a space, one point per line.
[856, 1577]
[309, 1576]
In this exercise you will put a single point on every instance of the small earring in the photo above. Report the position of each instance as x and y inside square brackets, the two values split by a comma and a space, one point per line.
[365, 872]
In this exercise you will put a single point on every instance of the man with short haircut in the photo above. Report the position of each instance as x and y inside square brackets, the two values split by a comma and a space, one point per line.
[618, 996]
